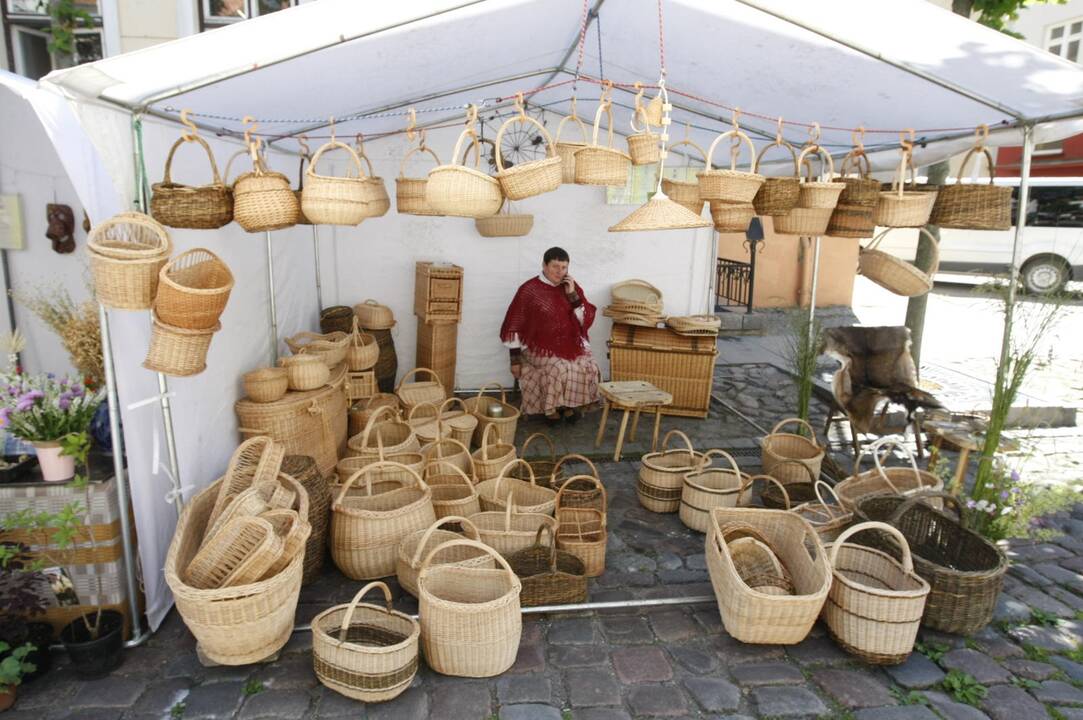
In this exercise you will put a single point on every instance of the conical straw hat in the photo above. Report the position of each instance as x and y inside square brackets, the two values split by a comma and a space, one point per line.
[661, 213]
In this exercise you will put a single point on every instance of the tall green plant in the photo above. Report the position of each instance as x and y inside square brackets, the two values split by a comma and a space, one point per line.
[803, 340]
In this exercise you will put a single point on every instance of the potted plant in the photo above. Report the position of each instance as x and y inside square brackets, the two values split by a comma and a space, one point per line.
[43, 410]
[22, 599]
[12, 669]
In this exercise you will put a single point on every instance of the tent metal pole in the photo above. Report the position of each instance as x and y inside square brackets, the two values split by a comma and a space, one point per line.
[272, 305]
[815, 282]
[1020, 223]
[316, 258]
[899, 64]
[121, 479]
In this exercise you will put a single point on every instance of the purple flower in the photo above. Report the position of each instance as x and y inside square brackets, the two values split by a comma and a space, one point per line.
[77, 391]
[970, 504]
[1004, 495]
[64, 401]
[27, 401]
[13, 390]
[5, 416]
[1015, 476]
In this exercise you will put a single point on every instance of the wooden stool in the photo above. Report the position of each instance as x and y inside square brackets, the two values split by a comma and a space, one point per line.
[629, 396]
[965, 435]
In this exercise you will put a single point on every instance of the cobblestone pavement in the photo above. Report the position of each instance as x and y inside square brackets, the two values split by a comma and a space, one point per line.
[661, 662]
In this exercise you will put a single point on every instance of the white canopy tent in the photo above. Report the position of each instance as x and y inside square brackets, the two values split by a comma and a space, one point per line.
[839, 63]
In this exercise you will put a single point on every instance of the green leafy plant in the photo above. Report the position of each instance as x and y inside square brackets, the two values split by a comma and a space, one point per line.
[932, 650]
[1075, 655]
[253, 687]
[14, 666]
[1025, 683]
[802, 348]
[177, 711]
[1035, 653]
[1043, 618]
[963, 687]
[911, 697]
[66, 16]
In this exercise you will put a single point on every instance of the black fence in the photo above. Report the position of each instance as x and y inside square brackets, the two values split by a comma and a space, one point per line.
[733, 284]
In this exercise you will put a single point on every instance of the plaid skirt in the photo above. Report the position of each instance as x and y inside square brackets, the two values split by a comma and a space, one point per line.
[548, 383]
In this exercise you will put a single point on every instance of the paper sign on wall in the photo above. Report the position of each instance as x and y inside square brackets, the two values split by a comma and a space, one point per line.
[11, 223]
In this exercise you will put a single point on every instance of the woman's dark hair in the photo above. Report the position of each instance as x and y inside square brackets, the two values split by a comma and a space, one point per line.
[555, 253]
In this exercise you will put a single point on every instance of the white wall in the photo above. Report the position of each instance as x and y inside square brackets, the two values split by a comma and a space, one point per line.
[1035, 18]
[376, 260]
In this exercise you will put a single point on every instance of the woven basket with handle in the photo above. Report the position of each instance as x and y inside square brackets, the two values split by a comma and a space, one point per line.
[685, 192]
[193, 289]
[778, 195]
[203, 207]
[529, 178]
[581, 529]
[974, 206]
[902, 207]
[602, 164]
[415, 547]
[549, 576]
[705, 489]
[895, 480]
[460, 191]
[567, 149]
[410, 191]
[453, 492]
[333, 200]
[895, 274]
[530, 496]
[733, 185]
[505, 424]
[127, 251]
[263, 199]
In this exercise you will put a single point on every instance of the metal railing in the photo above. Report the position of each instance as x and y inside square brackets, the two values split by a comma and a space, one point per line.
[733, 284]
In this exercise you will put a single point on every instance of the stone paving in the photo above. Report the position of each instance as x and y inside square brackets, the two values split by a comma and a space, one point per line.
[673, 661]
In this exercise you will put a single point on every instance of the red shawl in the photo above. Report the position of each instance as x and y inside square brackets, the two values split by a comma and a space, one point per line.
[545, 322]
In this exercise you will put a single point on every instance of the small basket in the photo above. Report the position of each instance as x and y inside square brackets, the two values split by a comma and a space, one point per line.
[127, 252]
[896, 480]
[427, 426]
[390, 435]
[362, 352]
[732, 186]
[778, 447]
[330, 200]
[505, 425]
[542, 467]
[337, 318]
[193, 289]
[410, 192]
[495, 493]
[263, 200]
[974, 206]
[453, 492]
[492, 455]
[459, 191]
[895, 274]
[901, 207]
[853, 216]
[266, 384]
[602, 165]
[371, 315]
[201, 207]
[420, 391]
[460, 423]
[505, 224]
[471, 618]
[694, 324]
[510, 531]
[567, 150]
[581, 528]
[361, 411]
[366, 529]
[360, 385]
[557, 472]
[778, 195]
[178, 351]
[529, 178]
[876, 603]
[415, 547]
[731, 217]
[305, 372]
[685, 192]
[581, 491]
[850, 221]
[549, 576]
[331, 348]
[661, 474]
[363, 651]
[238, 554]
[706, 489]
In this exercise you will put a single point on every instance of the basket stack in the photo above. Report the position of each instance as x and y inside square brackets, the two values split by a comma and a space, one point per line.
[816, 199]
[127, 252]
[438, 293]
[732, 191]
[705, 325]
[635, 302]
[581, 522]
[853, 216]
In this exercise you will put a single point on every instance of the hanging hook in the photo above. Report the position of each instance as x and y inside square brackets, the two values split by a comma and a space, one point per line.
[858, 137]
[302, 140]
[250, 124]
[421, 143]
[193, 130]
[735, 118]
[906, 139]
[359, 143]
[411, 124]
[520, 105]
[573, 107]
[982, 133]
[778, 132]
[607, 90]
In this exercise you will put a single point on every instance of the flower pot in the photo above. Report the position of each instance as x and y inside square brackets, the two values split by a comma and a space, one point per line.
[54, 466]
[16, 467]
[95, 657]
[7, 698]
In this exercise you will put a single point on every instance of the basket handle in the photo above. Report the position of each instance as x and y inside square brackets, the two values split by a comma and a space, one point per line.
[485, 440]
[824, 156]
[465, 522]
[752, 481]
[594, 480]
[913, 500]
[827, 508]
[229, 164]
[402, 165]
[517, 461]
[368, 482]
[551, 546]
[854, 158]
[962, 168]
[705, 460]
[311, 172]
[372, 423]
[682, 436]
[688, 157]
[899, 180]
[435, 447]
[509, 510]
[798, 421]
[522, 117]
[451, 400]
[573, 456]
[873, 447]
[604, 106]
[741, 137]
[936, 246]
[356, 599]
[414, 372]
[167, 176]
[782, 144]
[458, 471]
[582, 127]
[548, 440]
[909, 456]
[486, 386]
[474, 144]
[474, 544]
[907, 559]
[435, 410]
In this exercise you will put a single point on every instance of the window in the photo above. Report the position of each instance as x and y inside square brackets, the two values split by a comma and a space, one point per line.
[1050, 148]
[1064, 39]
[26, 26]
[1052, 206]
[216, 13]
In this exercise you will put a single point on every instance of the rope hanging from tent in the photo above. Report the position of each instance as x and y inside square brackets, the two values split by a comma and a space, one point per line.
[582, 45]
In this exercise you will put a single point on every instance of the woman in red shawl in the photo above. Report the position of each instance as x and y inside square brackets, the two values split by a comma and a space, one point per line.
[545, 329]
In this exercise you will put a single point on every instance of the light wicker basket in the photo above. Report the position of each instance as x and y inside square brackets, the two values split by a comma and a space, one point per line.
[415, 547]
[453, 492]
[263, 200]
[751, 615]
[506, 424]
[777, 447]
[420, 391]
[661, 474]
[974, 206]
[360, 385]
[510, 531]
[390, 435]
[895, 274]
[900, 207]
[581, 530]
[827, 519]
[427, 424]
[365, 652]
[178, 351]
[730, 216]
[362, 351]
[203, 207]
[330, 347]
[805, 222]
[602, 165]
[127, 252]
[266, 384]
[460, 423]
[580, 490]
[492, 455]
[304, 470]
[567, 149]
[544, 468]
[293, 531]
[193, 289]
[360, 411]
[531, 497]
[371, 315]
[410, 192]
[459, 191]
[238, 554]
[459, 455]
[366, 529]
[895, 480]
[685, 192]
[331, 200]
[505, 224]
[529, 178]
[306, 423]
[733, 185]
[255, 461]
[373, 189]
[305, 372]
[706, 489]
[470, 616]
[876, 602]
[778, 195]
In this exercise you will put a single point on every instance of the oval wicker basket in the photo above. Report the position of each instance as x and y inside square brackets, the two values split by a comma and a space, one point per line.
[193, 289]
[895, 480]
[330, 347]
[178, 351]
[529, 178]
[201, 207]
[730, 216]
[416, 547]
[127, 252]
[778, 195]
[460, 422]
[731, 185]
[778, 447]
[363, 651]
[373, 189]
[506, 424]
[459, 455]
[531, 497]
[807, 222]
[331, 200]
[900, 207]
[420, 391]
[362, 351]
[974, 206]
[505, 224]
[602, 165]
[266, 384]
[685, 192]
[704, 490]
[549, 576]
[410, 191]
[510, 531]
[263, 199]
[305, 372]
[459, 191]
[392, 435]
[371, 315]
[895, 274]
[544, 468]
[453, 491]
[566, 149]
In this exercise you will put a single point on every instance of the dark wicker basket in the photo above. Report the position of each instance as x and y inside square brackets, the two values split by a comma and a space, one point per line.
[965, 570]
[337, 318]
[304, 470]
[549, 576]
[387, 364]
[796, 492]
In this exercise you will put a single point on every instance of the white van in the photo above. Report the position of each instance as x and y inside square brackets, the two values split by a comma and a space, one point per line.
[1050, 248]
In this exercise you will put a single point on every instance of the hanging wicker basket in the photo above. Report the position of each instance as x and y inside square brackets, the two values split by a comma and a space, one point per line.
[193, 289]
[685, 192]
[332, 200]
[602, 165]
[415, 547]
[505, 224]
[853, 216]
[567, 149]
[263, 199]
[530, 178]
[201, 207]
[733, 185]
[373, 189]
[974, 206]
[178, 351]
[895, 274]
[459, 191]
[127, 252]
[410, 191]
[818, 194]
[731, 217]
[902, 207]
[362, 352]
[778, 195]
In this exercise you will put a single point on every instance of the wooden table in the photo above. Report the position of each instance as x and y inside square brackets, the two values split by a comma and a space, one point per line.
[965, 434]
[631, 396]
